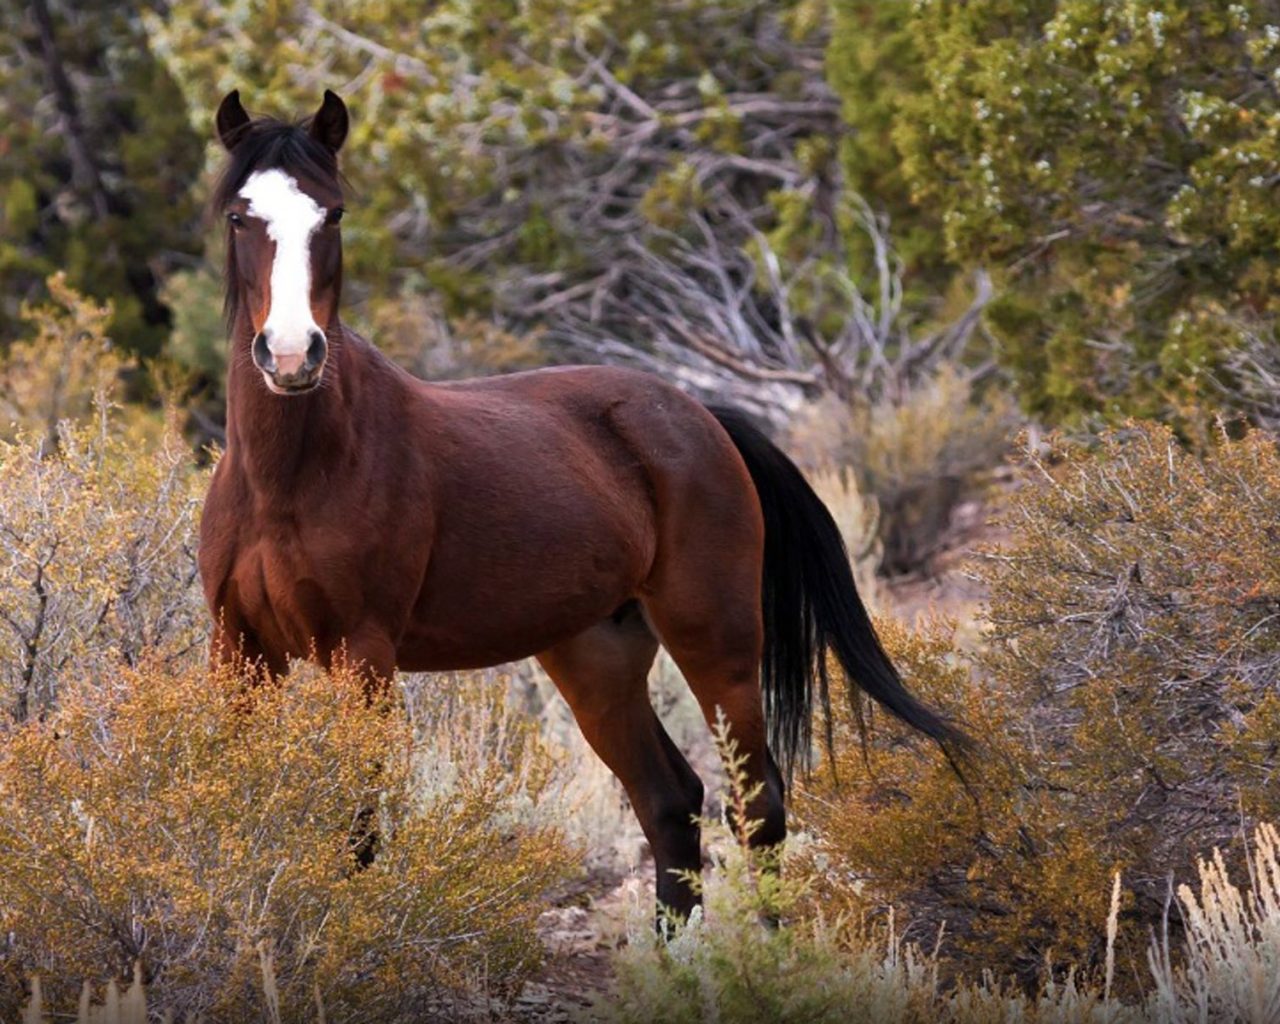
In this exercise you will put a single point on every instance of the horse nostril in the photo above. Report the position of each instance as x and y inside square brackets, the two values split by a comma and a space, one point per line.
[316, 350]
[262, 356]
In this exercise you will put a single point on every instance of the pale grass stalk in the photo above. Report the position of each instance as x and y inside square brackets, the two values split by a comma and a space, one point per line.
[129, 1008]
[1113, 923]
[110, 1013]
[270, 991]
[1232, 958]
[34, 1011]
[133, 1006]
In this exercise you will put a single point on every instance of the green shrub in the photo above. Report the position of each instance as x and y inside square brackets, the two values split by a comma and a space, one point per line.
[1110, 163]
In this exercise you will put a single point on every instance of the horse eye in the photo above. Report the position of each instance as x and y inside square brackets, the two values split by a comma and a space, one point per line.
[334, 215]
[236, 220]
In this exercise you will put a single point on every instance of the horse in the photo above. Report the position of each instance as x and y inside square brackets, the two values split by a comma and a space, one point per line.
[581, 515]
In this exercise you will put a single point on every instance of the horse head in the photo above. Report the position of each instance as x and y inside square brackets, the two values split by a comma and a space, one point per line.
[281, 195]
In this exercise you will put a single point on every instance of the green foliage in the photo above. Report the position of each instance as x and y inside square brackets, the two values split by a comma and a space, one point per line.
[194, 358]
[1114, 162]
[872, 64]
[198, 341]
[98, 164]
[505, 152]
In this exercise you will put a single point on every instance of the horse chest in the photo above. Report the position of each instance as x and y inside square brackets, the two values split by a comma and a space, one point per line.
[291, 597]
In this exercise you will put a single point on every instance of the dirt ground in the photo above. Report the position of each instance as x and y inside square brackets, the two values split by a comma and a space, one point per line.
[580, 941]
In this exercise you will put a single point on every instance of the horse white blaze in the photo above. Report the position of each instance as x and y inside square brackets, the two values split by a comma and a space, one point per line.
[292, 217]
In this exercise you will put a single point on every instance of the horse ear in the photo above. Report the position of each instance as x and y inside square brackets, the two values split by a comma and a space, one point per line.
[329, 126]
[231, 120]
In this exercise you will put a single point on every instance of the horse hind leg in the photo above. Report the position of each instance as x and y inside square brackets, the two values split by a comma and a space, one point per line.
[709, 619]
[603, 674]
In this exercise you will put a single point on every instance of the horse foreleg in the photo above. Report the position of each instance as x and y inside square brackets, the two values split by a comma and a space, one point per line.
[234, 649]
[370, 655]
[603, 674]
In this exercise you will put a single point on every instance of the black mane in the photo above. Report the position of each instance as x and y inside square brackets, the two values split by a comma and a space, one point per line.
[263, 144]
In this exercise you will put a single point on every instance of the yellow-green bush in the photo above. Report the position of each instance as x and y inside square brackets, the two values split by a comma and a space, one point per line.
[58, 372]
[895, 826]
[176, 818]
[1124, 700]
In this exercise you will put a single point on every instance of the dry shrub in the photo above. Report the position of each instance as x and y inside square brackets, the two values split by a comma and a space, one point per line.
[1136, 611]
[56, 374]
[99, 517]
[1125, 703]
[175, 818]
[891, 824]
[97, 556]
[514, 716]
[858, 518]
[920, 458]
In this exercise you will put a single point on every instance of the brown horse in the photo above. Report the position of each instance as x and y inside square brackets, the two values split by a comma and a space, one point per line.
[581, 515]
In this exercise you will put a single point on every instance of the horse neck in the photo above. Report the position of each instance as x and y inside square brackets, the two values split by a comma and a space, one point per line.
[279, 440]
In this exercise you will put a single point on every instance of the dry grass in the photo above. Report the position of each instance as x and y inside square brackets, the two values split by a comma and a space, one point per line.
[1230, 964]
[919, 457]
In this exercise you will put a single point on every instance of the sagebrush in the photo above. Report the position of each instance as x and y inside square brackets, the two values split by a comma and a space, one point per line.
[178, 819]
[1123, 697]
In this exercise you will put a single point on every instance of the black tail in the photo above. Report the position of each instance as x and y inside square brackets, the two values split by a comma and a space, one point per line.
[811, 605]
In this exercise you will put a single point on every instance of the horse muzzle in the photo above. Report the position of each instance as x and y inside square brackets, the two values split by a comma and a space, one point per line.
[291, 373]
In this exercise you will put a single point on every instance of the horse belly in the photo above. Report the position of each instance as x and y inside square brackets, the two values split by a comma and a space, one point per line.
[495, 603]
